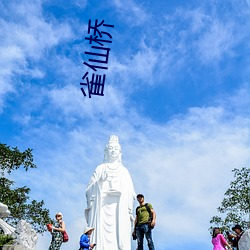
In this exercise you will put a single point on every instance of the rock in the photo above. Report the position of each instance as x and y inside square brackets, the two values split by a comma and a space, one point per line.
[25, 235]
[244, 242]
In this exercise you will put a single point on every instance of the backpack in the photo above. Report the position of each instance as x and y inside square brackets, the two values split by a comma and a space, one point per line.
[149, 212]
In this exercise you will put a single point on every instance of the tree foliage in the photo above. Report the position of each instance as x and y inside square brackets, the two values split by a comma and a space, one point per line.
[6, 239]
[235, 206]
[12, 159]
[17, 199]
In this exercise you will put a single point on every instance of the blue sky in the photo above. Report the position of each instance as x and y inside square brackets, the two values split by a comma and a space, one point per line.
[177, 94]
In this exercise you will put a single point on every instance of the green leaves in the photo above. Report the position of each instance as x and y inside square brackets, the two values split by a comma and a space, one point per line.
[12, 159]
[17, 199]
[6, 240]
[235, 207]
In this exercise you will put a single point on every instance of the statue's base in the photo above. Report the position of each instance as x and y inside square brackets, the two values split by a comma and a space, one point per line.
[13, 247]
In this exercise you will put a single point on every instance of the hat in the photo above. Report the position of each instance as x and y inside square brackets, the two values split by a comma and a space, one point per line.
[237, 227]
[59, 213]
[87, 229]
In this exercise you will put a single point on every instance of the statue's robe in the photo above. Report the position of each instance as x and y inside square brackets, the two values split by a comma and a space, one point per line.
[110, 197]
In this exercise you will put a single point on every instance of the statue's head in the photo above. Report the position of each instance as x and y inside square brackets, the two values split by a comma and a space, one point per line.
[113, 150]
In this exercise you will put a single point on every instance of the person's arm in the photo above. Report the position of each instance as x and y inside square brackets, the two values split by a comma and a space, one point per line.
[60, 229]
[232, 235]
[154, 217]
[135, 224]
[92, 246]
[84, 242]
[224, 242]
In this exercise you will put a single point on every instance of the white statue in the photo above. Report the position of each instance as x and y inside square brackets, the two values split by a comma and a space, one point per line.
[4, 212]
[110, 197]
[25, 235]
[244, 242]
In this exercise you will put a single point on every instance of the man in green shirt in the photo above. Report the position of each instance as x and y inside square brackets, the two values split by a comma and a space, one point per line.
[144, 223]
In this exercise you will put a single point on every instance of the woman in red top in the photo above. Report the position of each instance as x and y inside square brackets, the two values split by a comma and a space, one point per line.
[218, 240]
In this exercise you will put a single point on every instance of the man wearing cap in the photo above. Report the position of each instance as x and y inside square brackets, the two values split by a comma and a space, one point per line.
[239, 231]
[84, 240]
[142, 224]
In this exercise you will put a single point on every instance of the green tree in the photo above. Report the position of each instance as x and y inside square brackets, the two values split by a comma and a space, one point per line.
[17, 199]
[235, 207]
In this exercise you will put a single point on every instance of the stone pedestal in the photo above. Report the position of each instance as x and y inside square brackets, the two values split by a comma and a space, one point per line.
[13, 247]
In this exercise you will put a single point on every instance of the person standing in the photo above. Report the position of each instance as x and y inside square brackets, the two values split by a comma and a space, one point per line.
[56, 231]
[218, 240]
[85, 239]
[143, 225]
[239, 231]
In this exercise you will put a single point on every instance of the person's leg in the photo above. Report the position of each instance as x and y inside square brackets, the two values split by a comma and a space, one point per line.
[51, 247]
[148, 234]
[140, 231]
[56, 244]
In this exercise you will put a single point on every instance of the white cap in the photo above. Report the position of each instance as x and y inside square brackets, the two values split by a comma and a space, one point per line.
[59, 213]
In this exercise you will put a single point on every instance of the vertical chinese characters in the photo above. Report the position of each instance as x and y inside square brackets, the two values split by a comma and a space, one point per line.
[99, 40]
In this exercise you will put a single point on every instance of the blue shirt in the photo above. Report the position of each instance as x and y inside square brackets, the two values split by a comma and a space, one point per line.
[84, 242]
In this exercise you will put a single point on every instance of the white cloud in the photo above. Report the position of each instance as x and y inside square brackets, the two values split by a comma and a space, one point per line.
[137, 70]
[217, 42]
[143, 64]
[198, 33]
[133, 70]
[25, 35]
[198, 20]
[239, 101]
[72, 102]
[131, 12]
[80, 3]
